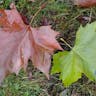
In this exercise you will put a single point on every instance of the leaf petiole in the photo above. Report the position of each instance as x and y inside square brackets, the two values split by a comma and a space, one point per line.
[66, 43]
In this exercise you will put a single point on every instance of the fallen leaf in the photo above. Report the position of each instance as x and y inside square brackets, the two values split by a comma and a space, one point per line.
[80, 60]
[20, 42]
[85, 3]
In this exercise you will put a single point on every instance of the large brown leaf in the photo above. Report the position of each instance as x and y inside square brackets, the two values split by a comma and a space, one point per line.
[20, 42]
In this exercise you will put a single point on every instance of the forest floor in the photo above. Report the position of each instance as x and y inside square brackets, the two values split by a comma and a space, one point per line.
[65, 18]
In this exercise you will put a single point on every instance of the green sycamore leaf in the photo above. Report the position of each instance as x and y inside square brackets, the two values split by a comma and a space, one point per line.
[81, 59]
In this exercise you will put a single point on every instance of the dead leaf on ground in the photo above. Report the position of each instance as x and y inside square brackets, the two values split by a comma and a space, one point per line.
[20, 42]
[85, 3]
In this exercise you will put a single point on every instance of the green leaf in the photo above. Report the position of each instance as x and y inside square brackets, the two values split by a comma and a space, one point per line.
[81, 59]
[57, 68]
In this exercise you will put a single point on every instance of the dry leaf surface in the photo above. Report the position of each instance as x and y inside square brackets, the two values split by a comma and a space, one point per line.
[85, 3]
[20, 42]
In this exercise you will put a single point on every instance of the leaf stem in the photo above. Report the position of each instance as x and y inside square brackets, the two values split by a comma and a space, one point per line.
[90, 15]
[66, 43]
[40, 8]
[35, 15]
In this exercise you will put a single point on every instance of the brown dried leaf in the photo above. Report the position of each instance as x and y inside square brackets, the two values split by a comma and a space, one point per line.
[85, 3]
[20, 42]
